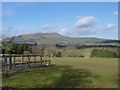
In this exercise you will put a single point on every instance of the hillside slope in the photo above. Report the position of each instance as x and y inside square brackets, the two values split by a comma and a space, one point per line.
[53, 38]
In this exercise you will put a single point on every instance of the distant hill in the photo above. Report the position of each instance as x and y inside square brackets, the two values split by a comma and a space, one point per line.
[54, 38]
[34, 36]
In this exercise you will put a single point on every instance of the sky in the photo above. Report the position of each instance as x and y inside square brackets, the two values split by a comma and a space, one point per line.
[73, 19]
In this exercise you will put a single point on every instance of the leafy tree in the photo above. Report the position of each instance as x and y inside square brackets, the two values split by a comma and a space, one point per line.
[51, 50]
[42, 49]
[25, 45]
[10, 47]
[22, 47]
[58, 54]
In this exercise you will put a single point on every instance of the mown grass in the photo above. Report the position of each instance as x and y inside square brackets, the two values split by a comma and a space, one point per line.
[68, 73]
[105, 68]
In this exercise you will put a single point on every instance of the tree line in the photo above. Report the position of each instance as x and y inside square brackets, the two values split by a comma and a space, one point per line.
[12, 47]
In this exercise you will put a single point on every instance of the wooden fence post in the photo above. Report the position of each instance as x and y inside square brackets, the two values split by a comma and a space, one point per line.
[5, 65]
[26, 60]
[34, 60]
[41, 61]
[29, 61]
[22, 63]
[14, 62]
[50, 59]
[3, 62]
[22, 59]
[10, 62]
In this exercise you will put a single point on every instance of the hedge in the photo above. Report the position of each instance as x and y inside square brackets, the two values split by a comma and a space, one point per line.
[103, 53]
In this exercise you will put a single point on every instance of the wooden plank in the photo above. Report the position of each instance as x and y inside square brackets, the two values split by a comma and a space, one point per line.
[10, 61]
[14, 62]
[30, 62]
[22, 55]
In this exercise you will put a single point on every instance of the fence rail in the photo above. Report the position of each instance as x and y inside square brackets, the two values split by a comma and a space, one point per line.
[10, 62]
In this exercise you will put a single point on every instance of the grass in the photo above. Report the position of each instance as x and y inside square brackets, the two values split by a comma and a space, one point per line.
[105, 68]
[68, 73]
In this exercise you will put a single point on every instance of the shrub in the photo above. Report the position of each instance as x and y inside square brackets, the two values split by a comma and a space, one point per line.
[58, 54]
[103, 53]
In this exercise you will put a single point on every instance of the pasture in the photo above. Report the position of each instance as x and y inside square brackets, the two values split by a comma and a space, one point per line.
[68, 72]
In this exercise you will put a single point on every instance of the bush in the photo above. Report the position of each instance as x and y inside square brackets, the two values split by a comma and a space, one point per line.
[58, 54]
[103, 53]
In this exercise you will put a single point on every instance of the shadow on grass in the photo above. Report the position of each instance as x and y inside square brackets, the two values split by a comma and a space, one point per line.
[69, 77]
[72, 78]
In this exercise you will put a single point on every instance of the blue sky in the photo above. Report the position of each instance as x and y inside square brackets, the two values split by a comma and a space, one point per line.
[79, 19]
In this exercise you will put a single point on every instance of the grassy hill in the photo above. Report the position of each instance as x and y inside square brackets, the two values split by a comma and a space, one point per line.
[54, 38]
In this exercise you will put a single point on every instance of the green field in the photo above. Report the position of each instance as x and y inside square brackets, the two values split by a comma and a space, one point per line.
[68, 73]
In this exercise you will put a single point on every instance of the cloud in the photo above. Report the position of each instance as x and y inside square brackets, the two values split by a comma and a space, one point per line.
[77, 32]
[49, 26]
[109, 27]
[83, 26]
[115, 13]
[86, 21]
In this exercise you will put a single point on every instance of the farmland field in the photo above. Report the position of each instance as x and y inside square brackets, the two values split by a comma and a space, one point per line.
[68, 72]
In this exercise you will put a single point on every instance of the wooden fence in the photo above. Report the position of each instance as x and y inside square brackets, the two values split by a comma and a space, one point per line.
[9, 62]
